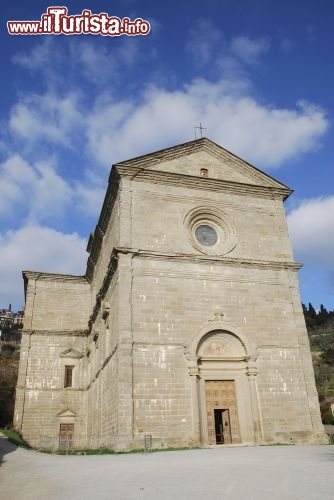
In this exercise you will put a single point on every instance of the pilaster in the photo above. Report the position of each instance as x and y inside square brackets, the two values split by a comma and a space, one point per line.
[125, 355]
[251, 373]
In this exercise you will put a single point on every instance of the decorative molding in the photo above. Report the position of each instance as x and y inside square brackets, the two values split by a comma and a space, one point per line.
[202, 183]
[251, 371]
[279, 346]
[159, 343]
[40, 276]
[191, 147]
[229, 359]
[233, 261]
[219, 221]
[71, 353]
[58, 389]
[238, 367]
[218, 276]
[222, 345]
[193, 371]
[66, 413]
[217, 328]
[217, 316]
[61, 333]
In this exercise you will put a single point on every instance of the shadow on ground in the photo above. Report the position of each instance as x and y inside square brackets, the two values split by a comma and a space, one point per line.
[5, 447]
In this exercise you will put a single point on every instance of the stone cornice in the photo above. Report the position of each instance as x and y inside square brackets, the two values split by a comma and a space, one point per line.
[69, 333]
[278, 346]
[232, 261]
[191, 147]
[201, 183]
[169, 256]
[36, 275]
[229, 359]
[159, 343]
[53, 277]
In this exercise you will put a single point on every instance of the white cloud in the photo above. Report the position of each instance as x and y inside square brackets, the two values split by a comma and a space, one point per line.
[39, 56]
[47, 117]
[203, 41]
[111, 129]
[36, 193]
[36, 248]
[262, 134]
[286, 44]
[311, 228]
[76, 60]
[247, 49]
[162, 117]
[97, 63]
[36, 189]
[52, 194]
[89, 199]
[208, 47]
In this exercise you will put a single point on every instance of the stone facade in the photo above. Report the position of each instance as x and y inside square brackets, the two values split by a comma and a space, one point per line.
[186, 327]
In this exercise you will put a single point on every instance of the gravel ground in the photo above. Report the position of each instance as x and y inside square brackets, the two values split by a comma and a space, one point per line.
[266, 472]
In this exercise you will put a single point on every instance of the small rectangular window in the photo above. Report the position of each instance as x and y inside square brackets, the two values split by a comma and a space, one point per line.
[68, 376]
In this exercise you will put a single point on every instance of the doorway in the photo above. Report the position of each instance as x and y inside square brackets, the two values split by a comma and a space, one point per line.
[222, 413]
[222, 426]
[66, 433]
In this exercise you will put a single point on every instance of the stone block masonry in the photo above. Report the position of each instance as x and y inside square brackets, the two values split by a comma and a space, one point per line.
[187, 325]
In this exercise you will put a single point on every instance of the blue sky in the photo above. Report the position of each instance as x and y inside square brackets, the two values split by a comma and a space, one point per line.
[258, 75]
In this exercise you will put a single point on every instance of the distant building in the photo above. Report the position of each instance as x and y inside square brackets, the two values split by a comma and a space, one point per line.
[10, 323]
[187, 326]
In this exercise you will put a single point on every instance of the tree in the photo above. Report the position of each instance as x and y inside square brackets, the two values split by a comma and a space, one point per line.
[311, 311]
[328, 355]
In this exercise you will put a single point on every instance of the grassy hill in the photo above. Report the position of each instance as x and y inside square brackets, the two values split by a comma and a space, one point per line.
[9, 364]
[320, 327]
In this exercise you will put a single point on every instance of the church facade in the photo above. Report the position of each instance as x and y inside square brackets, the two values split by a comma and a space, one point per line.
[187, 328]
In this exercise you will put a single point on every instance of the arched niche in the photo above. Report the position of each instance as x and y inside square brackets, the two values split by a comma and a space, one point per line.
[230, 333]
[220, 344]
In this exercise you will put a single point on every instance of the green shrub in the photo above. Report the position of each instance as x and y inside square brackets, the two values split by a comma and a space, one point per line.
[15, 438]
[331, 439]
[327, 418]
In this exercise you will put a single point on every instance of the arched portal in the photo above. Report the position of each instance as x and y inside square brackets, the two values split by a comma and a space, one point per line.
[226, 389]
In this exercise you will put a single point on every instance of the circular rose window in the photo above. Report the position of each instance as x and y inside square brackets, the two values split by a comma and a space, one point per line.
[210, 230]
[206, 235]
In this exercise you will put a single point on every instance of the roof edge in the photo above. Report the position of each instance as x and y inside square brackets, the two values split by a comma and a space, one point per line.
[188, 148]
[29, 274]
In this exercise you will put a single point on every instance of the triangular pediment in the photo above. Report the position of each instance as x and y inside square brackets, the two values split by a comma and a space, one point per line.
[192, 157]
[66, 413]
[71, 353]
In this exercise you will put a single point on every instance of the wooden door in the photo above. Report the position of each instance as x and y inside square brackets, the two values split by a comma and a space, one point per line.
[222, 413]
[66, 433]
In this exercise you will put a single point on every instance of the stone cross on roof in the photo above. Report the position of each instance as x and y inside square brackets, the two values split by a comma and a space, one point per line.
[200, 129]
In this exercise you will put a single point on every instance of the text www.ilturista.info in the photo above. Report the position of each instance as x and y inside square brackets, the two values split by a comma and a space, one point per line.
[57, 22]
